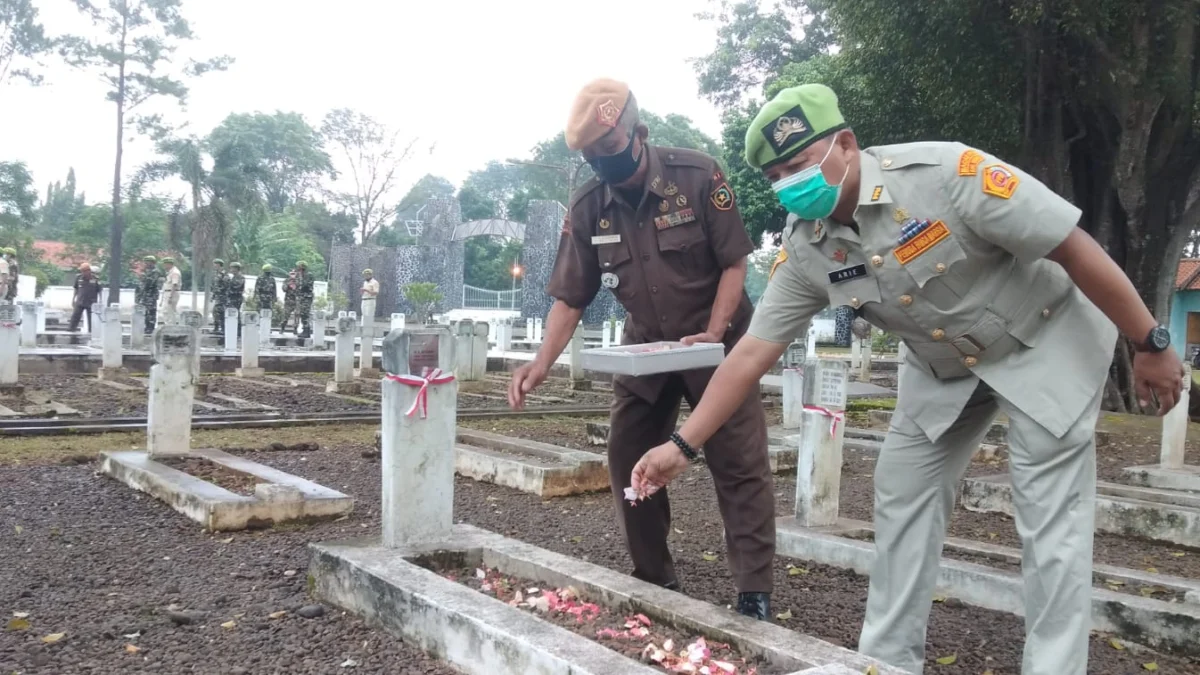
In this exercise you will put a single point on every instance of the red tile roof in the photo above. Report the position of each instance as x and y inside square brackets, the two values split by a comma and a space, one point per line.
[56, 252]
[1187, 277]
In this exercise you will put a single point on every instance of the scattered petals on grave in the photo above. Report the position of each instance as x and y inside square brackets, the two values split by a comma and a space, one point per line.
[1150, 666]
[18, 623]
[1116, 644]
[229, 624]
[634, 635]
[948, 660]
[53, 637]
[132, 649]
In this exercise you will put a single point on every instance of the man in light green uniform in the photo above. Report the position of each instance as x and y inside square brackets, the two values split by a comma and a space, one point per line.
[1005, 306]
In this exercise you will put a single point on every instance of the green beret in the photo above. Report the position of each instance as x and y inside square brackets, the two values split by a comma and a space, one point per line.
[796, 118]
[150, 259]
[10, 251]
[168, 260]
[218, 261]
[367, 271]
[236, 264]
[266, 268]
[302, 265]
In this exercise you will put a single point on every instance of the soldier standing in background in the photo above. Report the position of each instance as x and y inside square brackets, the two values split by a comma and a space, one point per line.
[170, 290]
[265, 290]
[87, 293]
[235, 290]
[216, 295]
[14, 272]
[3, 277]
[304, 298]
[289, 301]
[147, 292]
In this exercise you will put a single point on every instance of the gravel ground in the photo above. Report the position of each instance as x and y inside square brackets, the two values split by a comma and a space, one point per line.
[287, 399]
[89, 558]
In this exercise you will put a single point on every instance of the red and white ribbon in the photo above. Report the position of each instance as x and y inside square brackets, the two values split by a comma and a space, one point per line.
[421, 402]
[6, 324]
[836, 415]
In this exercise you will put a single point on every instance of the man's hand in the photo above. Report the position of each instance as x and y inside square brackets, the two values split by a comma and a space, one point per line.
[708, 336]
[1160, 374]
[524, 380]
[657, 468]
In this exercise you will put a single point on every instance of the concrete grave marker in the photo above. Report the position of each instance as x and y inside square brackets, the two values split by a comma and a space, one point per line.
[169, 415]
[537, 331]
[343, 358]
[793, 385]
[137, 328]
[464, 339]
[418, 437]
[10, 341]
[366, 351]
[28, 324]
[96, 319]
[231, 329]
[529, 330]
[619, 333]
[320, 321]
[504, 334]
[606, 333]
[479, 351]
[1174, 428]
[194, 320]
[110, 364]
[264, 328]
[250, 336]
[864, 359]
[578, 380]
[397, 321]
[41, 316]
[819, 463]
[810, 343]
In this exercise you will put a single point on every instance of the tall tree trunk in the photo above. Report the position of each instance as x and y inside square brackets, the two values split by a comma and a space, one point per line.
[118, 218]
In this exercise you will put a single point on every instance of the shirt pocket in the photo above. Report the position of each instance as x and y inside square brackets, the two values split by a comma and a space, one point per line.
[854, 293]
[615, 259]
[934, 274]
[685, 249]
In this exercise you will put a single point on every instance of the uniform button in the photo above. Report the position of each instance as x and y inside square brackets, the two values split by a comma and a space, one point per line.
[645, 256]
[854, 303]
[671, 156]
[877, 260]
[887, 162]
[970, 361]
[654, 289]
[938, 333]
[906, 300]
[940, 267]
[608, 264]
[1046, 313]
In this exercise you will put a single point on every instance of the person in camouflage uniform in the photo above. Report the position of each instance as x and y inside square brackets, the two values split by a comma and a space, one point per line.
[14, 272]
[146, 294]
[265, 290]
[216, 292]
[289, 301]
[235, 290]
[304, 298]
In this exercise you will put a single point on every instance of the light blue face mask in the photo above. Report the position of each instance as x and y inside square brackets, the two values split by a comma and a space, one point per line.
[807, 194]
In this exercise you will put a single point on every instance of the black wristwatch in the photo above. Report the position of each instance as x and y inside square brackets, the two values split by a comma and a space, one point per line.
[1157, 341]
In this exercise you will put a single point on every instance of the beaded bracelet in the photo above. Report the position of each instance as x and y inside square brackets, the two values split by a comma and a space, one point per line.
[688, 451]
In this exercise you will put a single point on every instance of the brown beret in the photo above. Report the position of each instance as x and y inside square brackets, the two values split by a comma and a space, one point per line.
[595, 112]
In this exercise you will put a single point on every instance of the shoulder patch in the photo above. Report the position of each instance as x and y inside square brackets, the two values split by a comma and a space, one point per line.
[968, 163]
[722, 197]
[999, 181]
[779, 260]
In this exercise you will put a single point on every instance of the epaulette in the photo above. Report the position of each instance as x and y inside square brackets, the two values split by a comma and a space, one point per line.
[686, 157]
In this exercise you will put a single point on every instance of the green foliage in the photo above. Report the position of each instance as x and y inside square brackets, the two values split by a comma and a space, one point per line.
[60, 208]
[286, 149]
[753, 195]
[145, 230]
[424, 298]
[420, 193]
[277, 240]
[18, 200]
[488, 262]
[323, 228]
[758, 270]
[371, 152]
[22, 40]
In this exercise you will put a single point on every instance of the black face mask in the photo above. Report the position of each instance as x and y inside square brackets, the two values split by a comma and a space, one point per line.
[618, 168]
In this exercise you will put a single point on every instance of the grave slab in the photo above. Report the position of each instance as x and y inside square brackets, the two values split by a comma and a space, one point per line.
[1116, 515]
[1170, 627]
[478, 634]
[1186, 477]
[216, 508]
[540, 468]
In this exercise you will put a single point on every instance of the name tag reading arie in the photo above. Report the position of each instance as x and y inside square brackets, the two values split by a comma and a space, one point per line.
[847, 273]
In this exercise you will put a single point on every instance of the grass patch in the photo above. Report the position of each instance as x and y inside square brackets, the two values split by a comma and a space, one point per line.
[27, 450]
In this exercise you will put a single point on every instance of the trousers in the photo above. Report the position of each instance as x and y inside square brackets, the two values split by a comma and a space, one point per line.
[77, 316]
[368, 312]
[737, 458]
[1054, 495]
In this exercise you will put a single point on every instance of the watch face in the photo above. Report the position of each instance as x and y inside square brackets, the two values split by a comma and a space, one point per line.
[1160, 338]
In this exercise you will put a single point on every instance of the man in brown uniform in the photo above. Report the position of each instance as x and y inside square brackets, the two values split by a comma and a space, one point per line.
[658, 227]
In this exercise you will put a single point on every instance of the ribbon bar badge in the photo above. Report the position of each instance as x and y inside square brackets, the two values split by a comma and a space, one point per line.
[673, 219]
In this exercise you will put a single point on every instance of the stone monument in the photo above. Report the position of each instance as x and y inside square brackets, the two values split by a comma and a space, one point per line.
[28, 324]
[110, 363]
[343, 358]
[250, 338]
[10, 341]
[819, 464]
[169, 415]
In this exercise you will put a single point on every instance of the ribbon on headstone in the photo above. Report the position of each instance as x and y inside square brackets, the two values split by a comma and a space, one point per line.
[8, 324]
[421, 402]
[835, 415]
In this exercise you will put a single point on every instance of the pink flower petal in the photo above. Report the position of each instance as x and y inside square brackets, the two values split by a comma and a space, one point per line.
[725, 666]
[643, 619]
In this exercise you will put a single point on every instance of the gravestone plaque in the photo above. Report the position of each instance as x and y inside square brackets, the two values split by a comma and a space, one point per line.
[422, 353]
[10, 314]
[173, 341]
[795, 355]
[831, 392]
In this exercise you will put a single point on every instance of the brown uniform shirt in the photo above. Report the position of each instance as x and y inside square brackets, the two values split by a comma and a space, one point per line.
[665, 255]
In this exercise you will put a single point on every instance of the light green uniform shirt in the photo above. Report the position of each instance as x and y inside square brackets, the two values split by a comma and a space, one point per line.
[972, 296]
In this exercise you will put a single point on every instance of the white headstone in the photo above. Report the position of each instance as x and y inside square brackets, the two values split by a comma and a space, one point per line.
[529, 330]
[619, 332]
[811, 343]
[41, 316]
[1174, 430]
[864, 372]
[97, 321]
[418, 449]
[111, 340]
[194, 321]
[855, 352]
[320, 319]
[464, 340]
[169, 415]
[577, 353]
[606, 332]
[264, 328]
[537, 331]
[250, 338]
[10, 340]
[819, 464]
[343, 350]
[397, 322]
[231, 329]
[479, 351]
[137, 328]
[504, 334]
[28, 324]
[793, 385]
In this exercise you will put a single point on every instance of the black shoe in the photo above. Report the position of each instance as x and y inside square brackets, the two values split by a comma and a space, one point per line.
[673, 586]
[755, 605]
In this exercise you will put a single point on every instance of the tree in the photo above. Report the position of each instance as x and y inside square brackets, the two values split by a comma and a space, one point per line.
[18, 200]
[280, 242]
[323, 228]
[488, 261]
[146, 229]
[134, 60]
[428, 187]
[22, 40]
[60, 208]
[286, 149]
[424, 298]
[372, 154]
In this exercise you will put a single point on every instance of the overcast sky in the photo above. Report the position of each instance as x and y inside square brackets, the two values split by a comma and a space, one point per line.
[477, 79]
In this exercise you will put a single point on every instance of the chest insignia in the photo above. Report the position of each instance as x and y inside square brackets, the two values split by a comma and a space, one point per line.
[847, 273]
[605, 224]
[673, 219]
[900, 215]
[609, 280]
[921, 242]
[840, 255]
[681, 200]
[664, 206]
[671, 190]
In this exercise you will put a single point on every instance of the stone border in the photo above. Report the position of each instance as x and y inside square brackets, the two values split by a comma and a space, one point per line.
[281, 497]
[1120, 509]
[1171, 627]
[1186, 477]
[482, 635]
